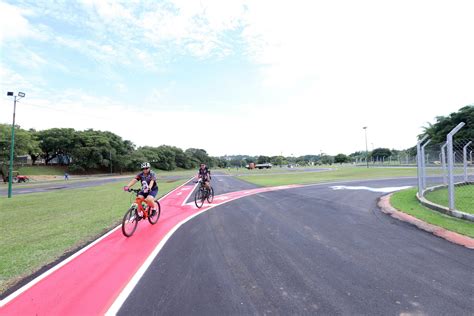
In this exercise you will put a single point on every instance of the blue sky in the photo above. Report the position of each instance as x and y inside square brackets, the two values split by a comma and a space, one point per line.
[264, 77]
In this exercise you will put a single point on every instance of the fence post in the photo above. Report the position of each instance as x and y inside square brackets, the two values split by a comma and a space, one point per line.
[443, 163]
[419, 166]
[449, 141]
[464, 159]
[423, 164]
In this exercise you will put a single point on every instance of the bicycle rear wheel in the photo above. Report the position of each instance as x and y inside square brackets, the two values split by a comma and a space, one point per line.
[155, 214]
[210, 196]
[129, 222]
[199, 198]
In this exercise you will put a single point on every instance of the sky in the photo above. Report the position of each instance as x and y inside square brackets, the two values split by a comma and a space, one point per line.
[239, 77]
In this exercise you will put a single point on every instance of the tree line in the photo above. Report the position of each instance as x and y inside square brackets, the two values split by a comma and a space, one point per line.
[90, 149]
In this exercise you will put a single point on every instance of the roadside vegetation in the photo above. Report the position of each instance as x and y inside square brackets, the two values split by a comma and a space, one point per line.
[405, 201]
[275, 177]
[39, 228]
[464, 198]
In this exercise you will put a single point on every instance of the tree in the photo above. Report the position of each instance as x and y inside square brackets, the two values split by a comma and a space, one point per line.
[56, 142]
[263, 159]
[25, 142]
[381, 153]
[327, 160]
[444, 124]
[341, 158]
[278, 160]
[199, 156]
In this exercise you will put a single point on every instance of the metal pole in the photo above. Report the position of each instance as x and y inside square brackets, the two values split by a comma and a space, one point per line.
[110, 160]
[10, 169]
[423, 164]
[443, 163]
[449, 140]
[418, 163]
[366, 147]
[464, 159]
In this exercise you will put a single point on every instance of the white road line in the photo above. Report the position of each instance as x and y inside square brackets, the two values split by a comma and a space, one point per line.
[190, 192]
[382, 190]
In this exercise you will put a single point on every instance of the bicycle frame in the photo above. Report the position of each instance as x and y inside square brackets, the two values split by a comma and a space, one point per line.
[139, 204]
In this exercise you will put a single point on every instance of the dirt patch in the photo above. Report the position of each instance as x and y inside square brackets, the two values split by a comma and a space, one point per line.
[45, 178]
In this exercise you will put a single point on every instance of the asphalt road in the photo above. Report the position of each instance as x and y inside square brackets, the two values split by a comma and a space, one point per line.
[311, 250]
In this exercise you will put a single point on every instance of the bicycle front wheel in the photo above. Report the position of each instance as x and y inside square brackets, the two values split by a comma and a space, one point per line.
[210, 196]
[129, 222]
[155, 214]
[199, 198]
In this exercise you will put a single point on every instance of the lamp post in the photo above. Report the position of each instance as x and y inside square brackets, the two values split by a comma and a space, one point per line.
[10, 169]
[366, 147]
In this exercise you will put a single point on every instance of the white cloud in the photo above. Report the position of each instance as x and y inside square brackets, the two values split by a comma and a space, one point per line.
[333, 66]
[13, 25]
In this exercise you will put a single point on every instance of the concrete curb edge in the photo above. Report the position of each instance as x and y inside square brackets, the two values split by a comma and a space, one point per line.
[387, 208]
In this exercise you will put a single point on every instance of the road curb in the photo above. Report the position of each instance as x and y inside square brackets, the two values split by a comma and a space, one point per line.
[387, 208]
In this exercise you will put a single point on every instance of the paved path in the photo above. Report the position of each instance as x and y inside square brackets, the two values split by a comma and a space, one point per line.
[304, 251]
[323, 249]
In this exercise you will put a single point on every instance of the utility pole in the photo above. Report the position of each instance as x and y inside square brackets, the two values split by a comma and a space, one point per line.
[12, 147]
[366, 147]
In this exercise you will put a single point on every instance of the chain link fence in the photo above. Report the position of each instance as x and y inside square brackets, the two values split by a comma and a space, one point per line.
[446, 175]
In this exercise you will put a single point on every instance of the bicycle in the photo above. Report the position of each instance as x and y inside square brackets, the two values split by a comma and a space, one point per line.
[203, 194]
[132, 217]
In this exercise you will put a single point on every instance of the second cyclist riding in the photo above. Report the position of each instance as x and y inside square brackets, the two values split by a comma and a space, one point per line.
[202, 194]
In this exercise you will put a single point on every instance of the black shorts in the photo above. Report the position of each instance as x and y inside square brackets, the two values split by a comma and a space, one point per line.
[153, 193]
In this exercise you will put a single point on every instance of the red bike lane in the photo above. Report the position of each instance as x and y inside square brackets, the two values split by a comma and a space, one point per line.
[91, 282]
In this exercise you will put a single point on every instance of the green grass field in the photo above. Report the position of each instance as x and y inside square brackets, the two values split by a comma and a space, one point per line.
[274, 177]
[41, 170]
[39, 228]
[406, 202]
[464, 198]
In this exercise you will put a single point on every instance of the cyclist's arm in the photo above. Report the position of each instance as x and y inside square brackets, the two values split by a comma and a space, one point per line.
[152, 182]
[131, 183]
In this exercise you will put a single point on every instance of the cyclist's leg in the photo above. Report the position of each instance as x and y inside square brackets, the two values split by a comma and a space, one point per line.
[140, 198]
[150, 199]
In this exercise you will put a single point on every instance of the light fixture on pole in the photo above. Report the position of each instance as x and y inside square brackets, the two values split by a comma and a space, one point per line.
[366, 147]
[12, 147]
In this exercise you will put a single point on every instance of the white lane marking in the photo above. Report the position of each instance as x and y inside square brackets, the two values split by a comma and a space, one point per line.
[383, 190]
[25, 287]
[179, 193]
[221, 198]
[190, 192]
[185, 188]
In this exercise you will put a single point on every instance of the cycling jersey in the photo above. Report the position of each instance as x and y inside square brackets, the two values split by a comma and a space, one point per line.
[146, 179]
[205, 174]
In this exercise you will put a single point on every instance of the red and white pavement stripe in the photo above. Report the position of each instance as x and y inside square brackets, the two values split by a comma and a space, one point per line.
[100, 277]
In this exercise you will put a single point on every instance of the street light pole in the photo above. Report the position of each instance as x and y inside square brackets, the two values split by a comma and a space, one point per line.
[366, 147]
[12, 145]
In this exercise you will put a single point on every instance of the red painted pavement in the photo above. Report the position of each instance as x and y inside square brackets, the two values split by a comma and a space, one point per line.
[90, 283]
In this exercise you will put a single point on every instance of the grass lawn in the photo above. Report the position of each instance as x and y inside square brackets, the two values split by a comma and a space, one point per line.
[41, 170]
[37, 229]
[406, 202]
[464, 198]
[276, 176]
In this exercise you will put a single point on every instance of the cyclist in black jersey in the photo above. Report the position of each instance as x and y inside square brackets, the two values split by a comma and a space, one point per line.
[205, 175]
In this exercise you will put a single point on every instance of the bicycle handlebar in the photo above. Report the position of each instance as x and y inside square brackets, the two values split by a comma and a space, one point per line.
[134, 190]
